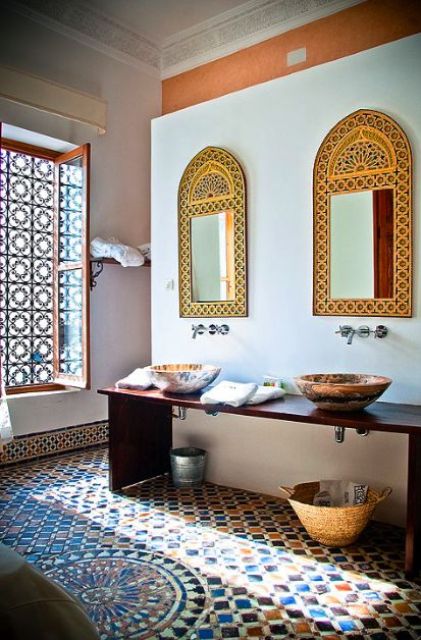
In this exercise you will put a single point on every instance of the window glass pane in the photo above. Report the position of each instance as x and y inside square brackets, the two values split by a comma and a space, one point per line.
[71, 205]
[26, 250]
[70, 322]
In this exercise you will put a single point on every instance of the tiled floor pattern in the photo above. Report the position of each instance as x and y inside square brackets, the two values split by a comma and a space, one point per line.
[130, 593]
[261, 575]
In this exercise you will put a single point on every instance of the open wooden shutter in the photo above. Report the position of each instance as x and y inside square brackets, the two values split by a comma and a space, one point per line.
[1, 279]
[72, 269]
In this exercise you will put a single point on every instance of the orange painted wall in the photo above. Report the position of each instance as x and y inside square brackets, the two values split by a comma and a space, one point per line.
[366, 25]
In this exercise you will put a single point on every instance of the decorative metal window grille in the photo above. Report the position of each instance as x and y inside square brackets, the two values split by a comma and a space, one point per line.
[70, 282]
[26, 264]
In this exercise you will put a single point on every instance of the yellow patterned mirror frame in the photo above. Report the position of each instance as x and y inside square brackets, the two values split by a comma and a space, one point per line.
[367, 150]
[212, 182]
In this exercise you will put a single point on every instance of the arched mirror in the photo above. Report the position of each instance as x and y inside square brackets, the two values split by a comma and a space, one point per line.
[363, 219]
[212, 236]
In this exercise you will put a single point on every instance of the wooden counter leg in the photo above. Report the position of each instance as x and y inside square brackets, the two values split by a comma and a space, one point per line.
[140, 441]
[413, 517]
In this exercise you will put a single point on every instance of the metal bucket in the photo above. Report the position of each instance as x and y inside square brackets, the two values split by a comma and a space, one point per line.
[187, 466]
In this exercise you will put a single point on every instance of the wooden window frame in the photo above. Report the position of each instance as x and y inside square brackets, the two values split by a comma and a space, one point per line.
[83, 381]
[50, 154]
[30, 149]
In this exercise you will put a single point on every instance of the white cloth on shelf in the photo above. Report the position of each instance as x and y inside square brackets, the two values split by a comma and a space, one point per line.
[112, 248]
[235, 394]
[340, 493]
[139, 379]
[263, 394]
[100, 248]
[145, 250]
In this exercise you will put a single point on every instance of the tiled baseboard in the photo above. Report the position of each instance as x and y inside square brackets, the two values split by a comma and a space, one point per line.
[48, 443]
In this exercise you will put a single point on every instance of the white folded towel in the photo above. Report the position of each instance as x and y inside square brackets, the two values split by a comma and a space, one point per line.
[235, 394]
[263, 394]
[340, 493]
[138, 379]
[145, 250]
[113, 248]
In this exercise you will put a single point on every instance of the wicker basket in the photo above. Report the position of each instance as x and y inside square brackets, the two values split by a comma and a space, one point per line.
[332, 526]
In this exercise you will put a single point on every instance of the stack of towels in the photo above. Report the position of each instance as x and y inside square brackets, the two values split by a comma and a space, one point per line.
[236, 394]
[139, 379]
[126, 255]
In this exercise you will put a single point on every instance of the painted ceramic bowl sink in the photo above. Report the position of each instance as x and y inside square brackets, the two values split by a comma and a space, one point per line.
[183, 378]
[342, 391]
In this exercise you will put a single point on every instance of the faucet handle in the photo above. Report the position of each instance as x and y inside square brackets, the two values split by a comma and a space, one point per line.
[380, 331]
[363, 331]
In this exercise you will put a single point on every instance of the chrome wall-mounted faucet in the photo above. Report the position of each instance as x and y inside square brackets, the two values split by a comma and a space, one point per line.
[346, 331]
[198, 329]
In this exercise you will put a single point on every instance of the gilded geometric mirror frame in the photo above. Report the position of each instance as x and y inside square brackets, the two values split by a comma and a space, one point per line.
[212, 182]
[367, 150]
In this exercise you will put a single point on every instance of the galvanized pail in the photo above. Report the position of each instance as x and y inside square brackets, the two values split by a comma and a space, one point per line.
[187, 466]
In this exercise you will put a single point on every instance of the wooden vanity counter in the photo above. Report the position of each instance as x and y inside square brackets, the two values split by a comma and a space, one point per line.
[141, 437]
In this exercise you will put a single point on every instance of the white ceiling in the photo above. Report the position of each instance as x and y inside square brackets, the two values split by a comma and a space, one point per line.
[159, 20]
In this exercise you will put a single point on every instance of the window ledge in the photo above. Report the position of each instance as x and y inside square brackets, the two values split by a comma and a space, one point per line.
[41, 394]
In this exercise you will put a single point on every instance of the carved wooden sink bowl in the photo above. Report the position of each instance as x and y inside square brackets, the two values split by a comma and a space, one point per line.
[342, 391]
[183, 378]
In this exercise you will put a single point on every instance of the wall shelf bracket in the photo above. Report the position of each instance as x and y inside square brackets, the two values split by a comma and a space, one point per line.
[97, 267]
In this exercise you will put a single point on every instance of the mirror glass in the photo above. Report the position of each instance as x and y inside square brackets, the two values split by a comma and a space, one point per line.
[212, 257]
[361, 244]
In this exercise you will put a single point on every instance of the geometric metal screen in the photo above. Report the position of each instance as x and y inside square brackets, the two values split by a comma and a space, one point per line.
[70, 280]
[26, 265]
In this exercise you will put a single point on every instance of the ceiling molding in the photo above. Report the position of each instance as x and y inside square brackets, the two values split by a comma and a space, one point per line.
[93, 28]
[243, 26]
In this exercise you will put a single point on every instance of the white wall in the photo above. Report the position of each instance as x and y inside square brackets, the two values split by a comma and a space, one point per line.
[120, 304]
[275, 129]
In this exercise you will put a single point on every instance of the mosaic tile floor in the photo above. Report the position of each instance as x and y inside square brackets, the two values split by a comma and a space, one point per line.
[204, 563]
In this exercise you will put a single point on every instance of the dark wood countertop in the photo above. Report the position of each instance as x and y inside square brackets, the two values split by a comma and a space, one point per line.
[380, 416]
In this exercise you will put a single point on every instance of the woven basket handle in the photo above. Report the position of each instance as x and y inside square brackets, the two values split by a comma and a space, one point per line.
[384, 494]
[288, 490]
